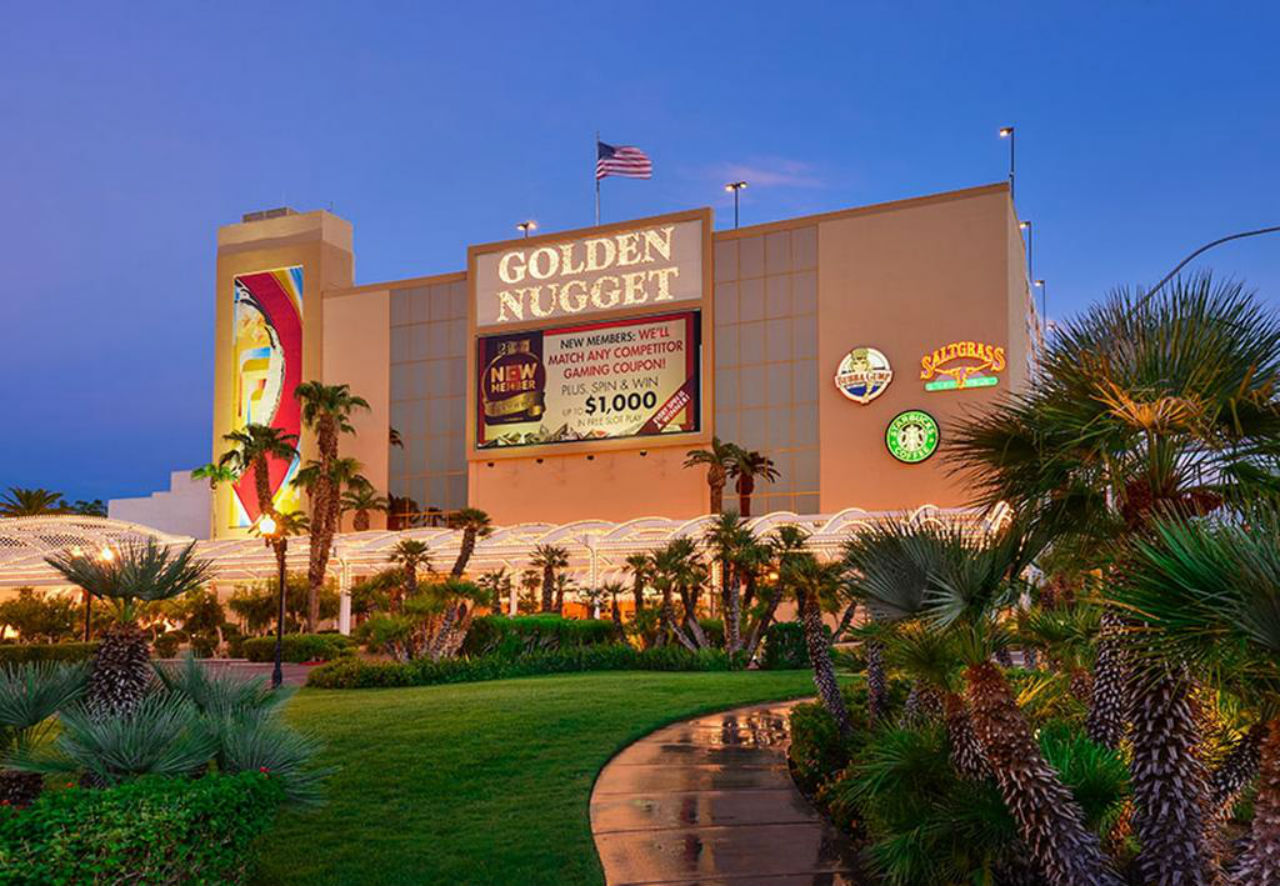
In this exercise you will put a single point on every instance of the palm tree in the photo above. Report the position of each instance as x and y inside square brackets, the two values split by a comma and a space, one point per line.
[1209, 594]
[811, 582]
[252, 448]
[410, 555]
[362, 498]
[326, 410]
[19, 502]
[969, 582]
[678, 569]
[138, 573]
[498, 584]
[719, 460]
[549, 558]
[1144, 407]
[745, 469]
[728, 537]
[30, 694]
[474, 524]
[323, 481]
[612, 589]
[640, 565]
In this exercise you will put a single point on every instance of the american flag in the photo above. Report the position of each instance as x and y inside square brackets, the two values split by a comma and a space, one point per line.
[626, 161]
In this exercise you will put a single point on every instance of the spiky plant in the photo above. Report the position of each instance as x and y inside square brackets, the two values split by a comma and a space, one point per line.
[259, 743]
[220, 695]
[163, 735]
[30, 694]
[139, 573]
[1211, 596]
[1237, 770]
[1106, 721]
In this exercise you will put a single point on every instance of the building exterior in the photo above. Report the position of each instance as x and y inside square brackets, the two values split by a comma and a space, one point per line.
[564, 377]
[182, 509]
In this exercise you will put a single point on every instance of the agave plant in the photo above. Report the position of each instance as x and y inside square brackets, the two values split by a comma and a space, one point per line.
[139, 573]
[30, 694]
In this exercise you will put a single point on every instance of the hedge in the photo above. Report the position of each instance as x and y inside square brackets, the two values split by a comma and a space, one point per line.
[152, 830]
[525, 634]
[300, 647]
[353, 673]
[20, 653]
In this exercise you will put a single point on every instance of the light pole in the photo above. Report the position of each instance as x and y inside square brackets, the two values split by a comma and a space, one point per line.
[106, 555]
[1205, 248]
[1007, 132]
[735, 187]
[527, 226]
[1044, 304]
[275, 539]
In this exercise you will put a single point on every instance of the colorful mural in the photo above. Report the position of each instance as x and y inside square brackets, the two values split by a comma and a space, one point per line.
[267, 359]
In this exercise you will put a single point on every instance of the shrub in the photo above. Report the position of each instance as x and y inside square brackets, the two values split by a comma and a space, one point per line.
[512, 637]
[784, 646]
[20, 653]
[714, 630]
[153, 830]
[300, 647]
[357, 674]
[166, 645]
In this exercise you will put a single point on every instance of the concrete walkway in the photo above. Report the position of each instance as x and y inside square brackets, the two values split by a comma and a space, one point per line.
[709, 802]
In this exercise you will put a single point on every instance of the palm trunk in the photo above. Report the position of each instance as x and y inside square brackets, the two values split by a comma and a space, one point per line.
[360, 522]
[756, 636]
[966, 754]
[1237, 770]
[1170, 789]
[465, 550]
[745, 488]
[637, 593]
[1049, 820]
[1105, 724]
[715, 479]
[824, 673]
[262, 485]
[615, 613]
[877, 681]
[548, 588]
[922, 705]
[733, 614]
[120, 673]
[1260, 863]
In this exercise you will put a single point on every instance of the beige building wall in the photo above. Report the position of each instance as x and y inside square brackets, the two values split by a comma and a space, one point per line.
[357, 333]
[318, 241]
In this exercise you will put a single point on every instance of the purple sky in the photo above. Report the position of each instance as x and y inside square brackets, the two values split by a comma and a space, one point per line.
[132, 131]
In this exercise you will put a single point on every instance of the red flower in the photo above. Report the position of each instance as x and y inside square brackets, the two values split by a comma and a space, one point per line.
[264, 770]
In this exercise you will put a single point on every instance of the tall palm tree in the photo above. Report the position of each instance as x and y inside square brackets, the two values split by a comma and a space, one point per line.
[728, 537]
[136, 574]
[746, 468]
[612, 589]
[550, 559]
[252, 449]
[323, 480]
[19, 502]
[474, 524]
[1144, 407]
[363, 499]
[498, 584]
[410, 555]
[677, 569]
[719, 459]
[811, 582]
[326, 410]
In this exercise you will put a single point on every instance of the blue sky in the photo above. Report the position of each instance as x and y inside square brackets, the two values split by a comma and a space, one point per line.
[133, 130]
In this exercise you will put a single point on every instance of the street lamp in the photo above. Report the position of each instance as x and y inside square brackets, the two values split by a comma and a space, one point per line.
[735, 187]
[273, 534]
[106, 555]
[1044, 304]
[1007, 132]
[527, 226]
[1205, 248]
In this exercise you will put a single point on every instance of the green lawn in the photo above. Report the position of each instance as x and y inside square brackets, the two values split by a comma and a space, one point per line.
[480, 783]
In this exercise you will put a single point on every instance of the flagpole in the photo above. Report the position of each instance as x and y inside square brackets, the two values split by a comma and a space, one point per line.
[595, 173]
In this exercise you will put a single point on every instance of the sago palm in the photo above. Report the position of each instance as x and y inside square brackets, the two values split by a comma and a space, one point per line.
[138, 573]
[1211, 597]
[252, 449]
[719, 459]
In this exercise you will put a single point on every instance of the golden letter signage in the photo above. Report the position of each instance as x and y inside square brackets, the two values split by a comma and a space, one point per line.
[961, 365]
[656, 265]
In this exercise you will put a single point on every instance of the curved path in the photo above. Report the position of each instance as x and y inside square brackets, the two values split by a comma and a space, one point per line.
[709, 802]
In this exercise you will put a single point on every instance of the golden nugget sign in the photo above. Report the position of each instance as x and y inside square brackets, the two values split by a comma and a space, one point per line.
[656, 265]
[961, 365]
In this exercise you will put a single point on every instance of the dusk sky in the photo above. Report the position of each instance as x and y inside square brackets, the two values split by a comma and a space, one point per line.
[133, 130]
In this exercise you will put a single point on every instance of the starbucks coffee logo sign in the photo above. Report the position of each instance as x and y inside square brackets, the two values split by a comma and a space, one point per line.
[912, 436]
[863, 375]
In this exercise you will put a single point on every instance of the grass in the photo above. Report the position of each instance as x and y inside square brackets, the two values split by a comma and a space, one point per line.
[482, 783]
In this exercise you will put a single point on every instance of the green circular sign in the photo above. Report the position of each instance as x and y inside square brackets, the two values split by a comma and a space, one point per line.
[912, 436]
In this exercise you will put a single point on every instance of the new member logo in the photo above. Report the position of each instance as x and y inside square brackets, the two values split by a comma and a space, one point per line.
[863, 375]
[912, 436]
